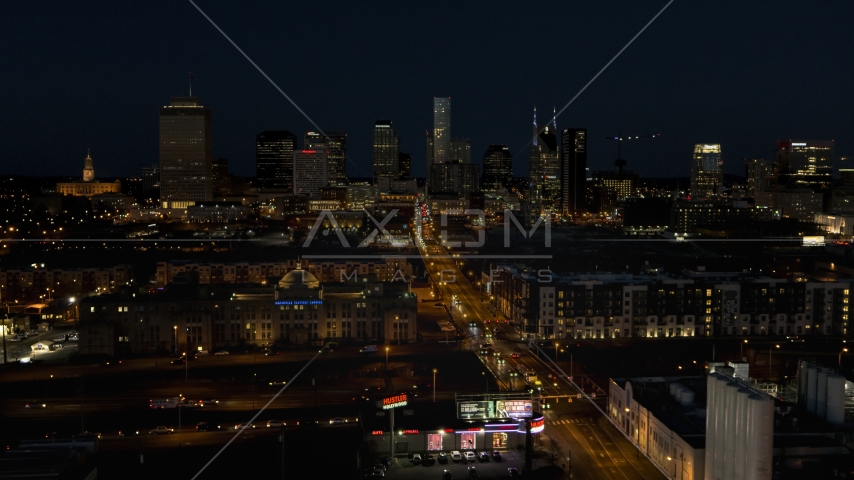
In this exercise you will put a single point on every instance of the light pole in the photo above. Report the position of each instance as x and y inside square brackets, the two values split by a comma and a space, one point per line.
[486, 380]
[513, 376]
[770, 349]
[840, 355]
[556, 346]
[741, 350]
[186, 367]
[175, 338]
[434, 385]
[386, 359]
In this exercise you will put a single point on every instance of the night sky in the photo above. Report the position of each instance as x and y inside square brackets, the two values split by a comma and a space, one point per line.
[80, 74]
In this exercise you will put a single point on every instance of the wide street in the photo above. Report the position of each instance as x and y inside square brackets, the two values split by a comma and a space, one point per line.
[597, 449]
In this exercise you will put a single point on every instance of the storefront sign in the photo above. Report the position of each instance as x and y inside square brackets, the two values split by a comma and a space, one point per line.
[538, 426]
[377, 432]
[394, 402]
[298, 302]
[410, 432]
[475, 410]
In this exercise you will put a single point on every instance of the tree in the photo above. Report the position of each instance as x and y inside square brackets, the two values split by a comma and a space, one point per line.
[554, 451]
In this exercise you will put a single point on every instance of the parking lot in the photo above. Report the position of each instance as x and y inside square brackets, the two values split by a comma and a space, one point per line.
[404, 468]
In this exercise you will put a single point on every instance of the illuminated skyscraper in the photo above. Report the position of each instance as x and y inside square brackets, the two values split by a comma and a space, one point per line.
[185, 153]
[707, 173]
[335, 143]
[545, 163]
[274, 160]
[386, 151]
[441, 130]
[573, 175]
[310, 172]
[805, 163]
[497, 168]
[761, 175]
[461, 150]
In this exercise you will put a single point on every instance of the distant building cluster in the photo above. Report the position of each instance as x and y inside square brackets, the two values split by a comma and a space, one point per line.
[36, 284]
[696, 304]
[299, 309]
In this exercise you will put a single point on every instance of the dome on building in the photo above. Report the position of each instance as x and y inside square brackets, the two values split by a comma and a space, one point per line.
[299, 278]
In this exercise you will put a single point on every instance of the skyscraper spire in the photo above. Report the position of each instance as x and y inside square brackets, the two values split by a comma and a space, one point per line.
[536, 133]
[554, 119]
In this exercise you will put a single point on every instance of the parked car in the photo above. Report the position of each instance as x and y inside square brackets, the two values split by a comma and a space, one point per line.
[470, 456]
[275, 424]
[456, 456]
[208, 402]
[472, 472]
[202, 353]
[496, 455]
[88, 434]
[337, 421]
[13, 338]
[238, 426]
[59, 339]
[221, 352]
[35, 405]
[483, 456]
[278, 383]
[514, 472]
[416, 458]
[446, 474]
[128, 432]
[443, 457]
[32, 333]
[160, 430]
[206, 427]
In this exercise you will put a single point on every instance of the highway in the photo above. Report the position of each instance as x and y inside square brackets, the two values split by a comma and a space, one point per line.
[597, 449]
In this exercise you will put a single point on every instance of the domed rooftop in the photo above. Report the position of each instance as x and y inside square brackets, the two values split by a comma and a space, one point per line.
[299, 278]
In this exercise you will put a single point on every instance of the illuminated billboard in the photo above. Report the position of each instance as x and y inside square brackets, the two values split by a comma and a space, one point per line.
[496, 407]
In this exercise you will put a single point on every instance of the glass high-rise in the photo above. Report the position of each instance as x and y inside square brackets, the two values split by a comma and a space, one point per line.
[274, 160]
[441, 130]
[573, 174]
[386, 151]
[805, 163]
[335, 144]
[185, 153]
[497, 168]
[707, 173]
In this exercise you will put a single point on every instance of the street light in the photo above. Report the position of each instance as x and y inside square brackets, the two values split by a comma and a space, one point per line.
[386, 358]
[175, 338]
[556, 346]
[186, 366]
[434, 385]
[840, 355]
[770, 349]
[486, 379]
[741, 349]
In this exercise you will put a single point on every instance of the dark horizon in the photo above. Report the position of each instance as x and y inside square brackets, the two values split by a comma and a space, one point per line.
[84, 77]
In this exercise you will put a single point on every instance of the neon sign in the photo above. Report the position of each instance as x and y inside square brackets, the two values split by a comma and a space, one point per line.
[376, 432]
[410, 432]
[298, 302]
[394, 402]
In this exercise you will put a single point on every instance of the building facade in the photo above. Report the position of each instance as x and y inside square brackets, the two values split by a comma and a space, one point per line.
[386, 151]
[497, 168]
[806, 163]
[310, 172]
[573, 170]
[335, 146]
[88, 186]
[441, 130]
[274, 160]
[707, 174]
[185, 153]
[298, 310]
[543, 305]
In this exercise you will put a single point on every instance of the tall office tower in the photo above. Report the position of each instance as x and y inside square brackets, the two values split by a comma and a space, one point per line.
[274, 160]
[185, 153]
[707, 172]
[88, 168]
[335, 144]
[805, 163]
[761, 175]
[219, 176]
[461, 150]
[441, 130]
[573, 175]
[545, 163]
[310, 172]
[454, 179]
[497, 168]
[404, 166]
[151, 180]
[386, 151]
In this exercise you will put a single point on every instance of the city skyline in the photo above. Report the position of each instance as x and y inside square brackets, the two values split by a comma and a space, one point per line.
[657, 100]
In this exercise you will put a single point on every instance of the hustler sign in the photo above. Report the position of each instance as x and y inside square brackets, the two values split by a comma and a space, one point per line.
[394, 402]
